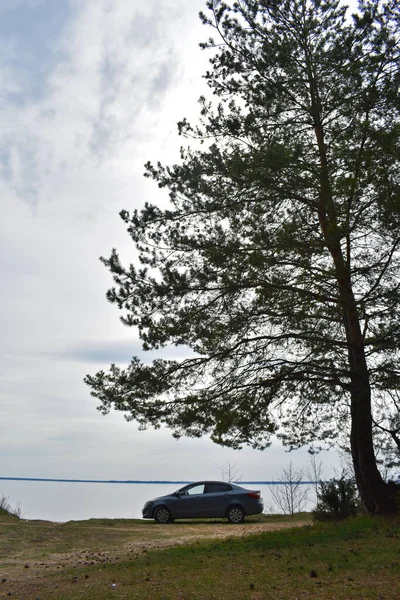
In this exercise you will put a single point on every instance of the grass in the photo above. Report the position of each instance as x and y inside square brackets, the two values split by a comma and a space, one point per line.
[356, 559]
[7, 510]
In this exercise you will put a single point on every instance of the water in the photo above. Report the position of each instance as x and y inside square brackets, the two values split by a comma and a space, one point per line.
[66, 501]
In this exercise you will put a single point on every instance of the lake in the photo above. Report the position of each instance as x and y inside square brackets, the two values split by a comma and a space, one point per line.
[65, 501]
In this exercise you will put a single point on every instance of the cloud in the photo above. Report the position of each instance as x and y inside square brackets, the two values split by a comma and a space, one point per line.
[105, 352]
[29, 34]
[82, 109]
[89, 91]
[103, 75]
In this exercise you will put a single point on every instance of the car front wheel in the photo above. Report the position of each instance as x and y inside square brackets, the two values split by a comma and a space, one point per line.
[162, 515]
[235, 514]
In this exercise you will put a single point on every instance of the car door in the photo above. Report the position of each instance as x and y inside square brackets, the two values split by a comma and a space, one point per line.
[216, 499]
[187, 502]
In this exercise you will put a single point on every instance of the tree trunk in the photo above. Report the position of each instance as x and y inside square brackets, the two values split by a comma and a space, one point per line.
[374, 491]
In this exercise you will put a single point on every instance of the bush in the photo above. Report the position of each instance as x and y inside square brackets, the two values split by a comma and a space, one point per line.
[7, 510]
[337, 499]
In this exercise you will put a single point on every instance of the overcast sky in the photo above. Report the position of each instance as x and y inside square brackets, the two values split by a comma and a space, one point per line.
[89, 90]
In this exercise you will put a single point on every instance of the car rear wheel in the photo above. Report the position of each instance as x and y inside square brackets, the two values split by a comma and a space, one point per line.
[162, 515]
[235, 514]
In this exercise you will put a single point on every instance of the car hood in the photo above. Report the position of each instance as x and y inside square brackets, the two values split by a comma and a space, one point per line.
[160, 498]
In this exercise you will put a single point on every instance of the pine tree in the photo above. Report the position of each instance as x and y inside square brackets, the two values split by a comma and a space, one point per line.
[277, 262]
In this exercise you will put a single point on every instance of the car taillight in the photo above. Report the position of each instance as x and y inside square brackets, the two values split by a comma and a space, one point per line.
[254, 495]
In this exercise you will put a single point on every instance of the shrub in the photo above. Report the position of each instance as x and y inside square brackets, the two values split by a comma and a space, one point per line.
[337, 499]
[7, 510]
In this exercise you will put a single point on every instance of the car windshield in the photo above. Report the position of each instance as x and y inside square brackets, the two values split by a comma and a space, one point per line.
[190, 490]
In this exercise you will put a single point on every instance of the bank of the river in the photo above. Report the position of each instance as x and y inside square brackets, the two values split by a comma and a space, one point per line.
[264, 558]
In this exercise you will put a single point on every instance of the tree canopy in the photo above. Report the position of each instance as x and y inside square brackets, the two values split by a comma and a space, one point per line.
[276, 263]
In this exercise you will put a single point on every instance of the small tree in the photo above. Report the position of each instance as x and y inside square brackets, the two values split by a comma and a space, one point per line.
[314, 472]
[290, 495]
[230, 473]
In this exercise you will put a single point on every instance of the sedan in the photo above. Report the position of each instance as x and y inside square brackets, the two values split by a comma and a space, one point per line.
[208, 499]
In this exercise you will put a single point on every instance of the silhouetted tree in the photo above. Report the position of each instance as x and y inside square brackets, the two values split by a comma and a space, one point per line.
[231, 473]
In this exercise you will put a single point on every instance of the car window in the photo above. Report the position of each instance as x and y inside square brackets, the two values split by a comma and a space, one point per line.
[214, 488]
[196, 489]
[191, 491]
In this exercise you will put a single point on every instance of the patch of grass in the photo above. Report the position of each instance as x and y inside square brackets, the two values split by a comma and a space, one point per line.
[353, 559]
[356, 559]
[35, 539]
[7, 510]
[38, 539]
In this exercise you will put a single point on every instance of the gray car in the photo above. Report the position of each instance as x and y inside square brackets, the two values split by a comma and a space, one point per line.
[205, 499]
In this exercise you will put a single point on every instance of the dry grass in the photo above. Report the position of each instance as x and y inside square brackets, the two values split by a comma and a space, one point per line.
[259, 560]
[7, 510]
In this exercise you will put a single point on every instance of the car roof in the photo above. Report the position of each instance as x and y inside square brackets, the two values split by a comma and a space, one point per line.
[215, 482]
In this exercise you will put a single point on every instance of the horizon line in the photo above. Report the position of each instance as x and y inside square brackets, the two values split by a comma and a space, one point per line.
[149, 481]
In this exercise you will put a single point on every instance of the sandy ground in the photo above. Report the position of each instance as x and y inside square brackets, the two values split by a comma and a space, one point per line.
[20, 574]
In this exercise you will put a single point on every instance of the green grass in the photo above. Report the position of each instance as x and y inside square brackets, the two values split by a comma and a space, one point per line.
[37, 539]
[7, 511]
[356, 559]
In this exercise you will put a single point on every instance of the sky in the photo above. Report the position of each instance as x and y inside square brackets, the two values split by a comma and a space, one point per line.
[89, 91]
